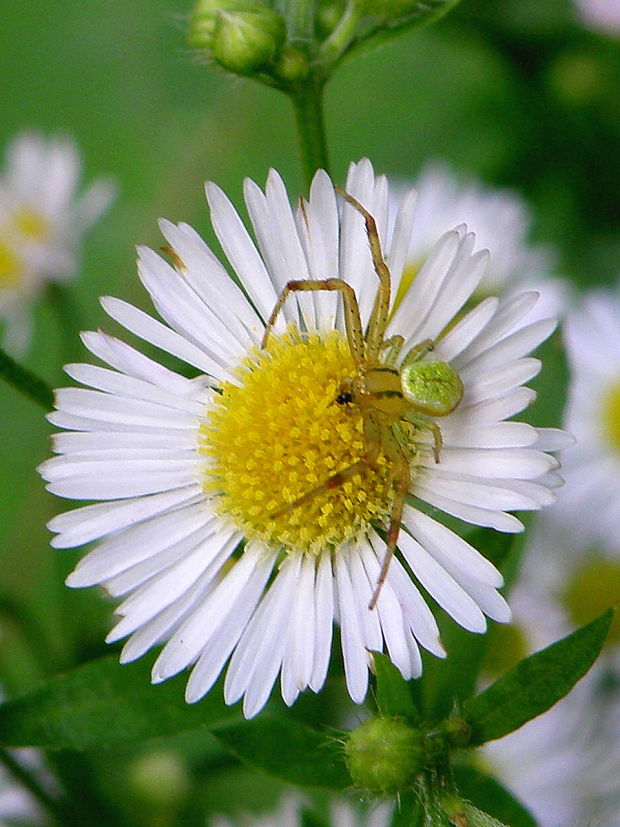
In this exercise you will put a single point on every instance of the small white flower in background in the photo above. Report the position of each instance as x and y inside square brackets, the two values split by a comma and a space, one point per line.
[603, 15]
[592, 465]
[216, 522]
[501, 221]
[42, 220]
[564, 765]
[291, 809]
[17, 806]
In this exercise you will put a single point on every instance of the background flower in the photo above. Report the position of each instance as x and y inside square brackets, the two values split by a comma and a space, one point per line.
[501, 221]
[42, 220]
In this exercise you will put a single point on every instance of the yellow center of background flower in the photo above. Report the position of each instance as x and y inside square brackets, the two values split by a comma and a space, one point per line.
[10, 266]
[31, 224]
[280, 434]
[611, 416]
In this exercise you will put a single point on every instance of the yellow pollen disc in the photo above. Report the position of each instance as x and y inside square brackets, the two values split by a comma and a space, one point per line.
[593, 588]
[10, 267]
[31, 224]
[279, 435]
[611, 416]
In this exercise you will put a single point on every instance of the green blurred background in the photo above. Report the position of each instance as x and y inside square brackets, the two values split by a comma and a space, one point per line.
[516, 92]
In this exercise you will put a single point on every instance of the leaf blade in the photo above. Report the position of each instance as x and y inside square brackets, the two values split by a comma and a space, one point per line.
[102, 703]
[535, 684]
[287, 750]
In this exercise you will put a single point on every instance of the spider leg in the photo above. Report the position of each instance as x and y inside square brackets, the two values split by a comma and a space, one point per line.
[352, 319]
[393, 346]
[402, 482]
[379, 316]
[368, 461]
[428, 424]
[335, 481]
[418, 351]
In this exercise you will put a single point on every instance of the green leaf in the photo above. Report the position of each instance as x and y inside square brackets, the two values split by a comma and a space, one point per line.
[393, 695]
[288, 750]
[486, 792]
[535, 684]
[103, 703]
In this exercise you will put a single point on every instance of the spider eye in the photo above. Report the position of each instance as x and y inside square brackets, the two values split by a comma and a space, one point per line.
[344, 398]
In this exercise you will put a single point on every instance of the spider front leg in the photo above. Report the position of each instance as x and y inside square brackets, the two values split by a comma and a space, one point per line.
[402, 483]
[352, 319]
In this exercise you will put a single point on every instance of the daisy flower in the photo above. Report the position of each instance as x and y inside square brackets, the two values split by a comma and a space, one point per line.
[290, 813]
[243, 511]
[592, 335]
[501, 221]
[42, 220]
[563, 765]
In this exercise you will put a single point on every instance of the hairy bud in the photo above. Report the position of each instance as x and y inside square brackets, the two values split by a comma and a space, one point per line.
[384, 755]
[244, 42]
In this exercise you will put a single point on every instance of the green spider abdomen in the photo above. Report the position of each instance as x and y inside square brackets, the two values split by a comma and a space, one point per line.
[433, 388]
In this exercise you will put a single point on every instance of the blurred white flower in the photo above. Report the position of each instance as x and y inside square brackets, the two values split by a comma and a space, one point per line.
[42, 220]
[591, 466]
[501, 221]
[17, 805]
[603, 15]
[564, 764]
[290, 814]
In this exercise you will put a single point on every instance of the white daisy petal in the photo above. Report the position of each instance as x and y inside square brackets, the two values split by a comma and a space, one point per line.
[353, 650]
[240, 251]
[441, 586]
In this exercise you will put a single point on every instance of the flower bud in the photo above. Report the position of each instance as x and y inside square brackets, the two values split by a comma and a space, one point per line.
[292, 65]
[384, 755]
[244, 42]
[203, 17]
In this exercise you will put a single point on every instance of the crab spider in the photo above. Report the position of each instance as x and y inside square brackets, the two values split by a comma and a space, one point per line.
[384, 394]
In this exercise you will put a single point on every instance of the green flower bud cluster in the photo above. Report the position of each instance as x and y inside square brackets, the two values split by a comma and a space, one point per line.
[284, 42]
[243, 37]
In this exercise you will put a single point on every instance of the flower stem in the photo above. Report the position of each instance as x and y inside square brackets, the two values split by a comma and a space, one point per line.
[341, 37]
[25, 381]
[308, 103]
[27, 780]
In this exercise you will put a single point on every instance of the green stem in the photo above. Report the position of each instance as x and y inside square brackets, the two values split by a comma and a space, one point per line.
[68, 314]
[342, 35]
[308, 104]
[25, 381]
[27, 780]
[300, 19]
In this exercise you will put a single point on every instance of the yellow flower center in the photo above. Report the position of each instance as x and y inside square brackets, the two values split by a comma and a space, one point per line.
[31, 224]
[593, 588]
[611, 416]
[279, 435]
[10, 266]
